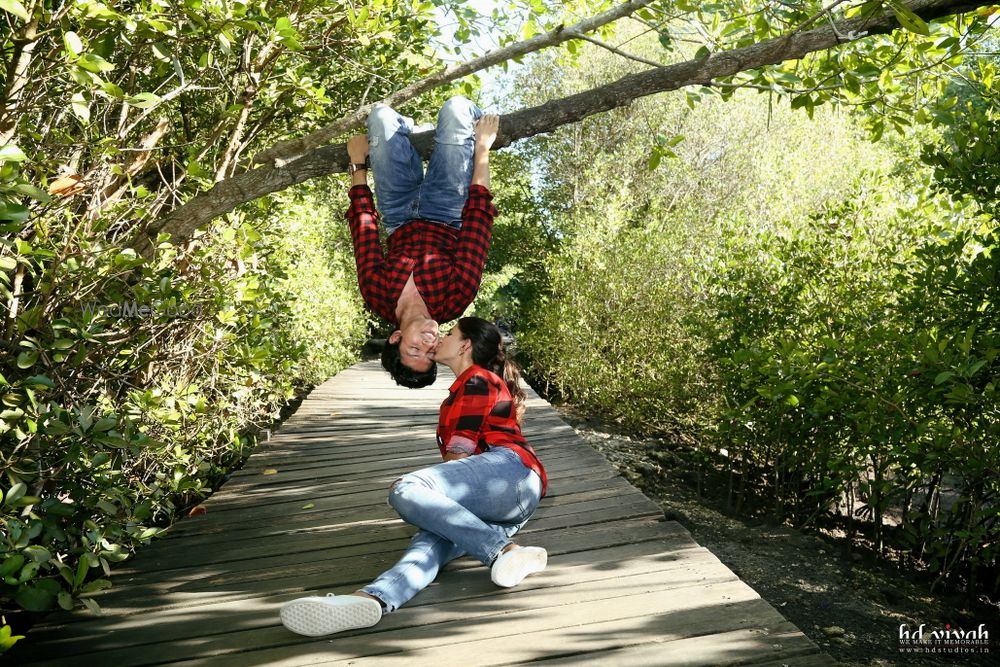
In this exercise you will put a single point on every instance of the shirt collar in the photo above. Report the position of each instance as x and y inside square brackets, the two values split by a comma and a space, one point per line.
[461, 379]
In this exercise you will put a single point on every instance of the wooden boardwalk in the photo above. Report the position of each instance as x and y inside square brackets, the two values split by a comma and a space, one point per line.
[308, 515]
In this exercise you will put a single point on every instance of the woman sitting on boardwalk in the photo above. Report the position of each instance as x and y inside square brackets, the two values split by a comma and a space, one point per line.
[473, 503]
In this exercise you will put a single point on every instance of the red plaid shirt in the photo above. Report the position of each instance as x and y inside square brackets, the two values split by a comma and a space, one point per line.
[479, 414]
[447, 264]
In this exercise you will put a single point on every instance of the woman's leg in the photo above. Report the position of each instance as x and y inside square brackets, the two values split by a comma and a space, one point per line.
[424, 558]
[476, 503]
[449, 172]
[396, 166]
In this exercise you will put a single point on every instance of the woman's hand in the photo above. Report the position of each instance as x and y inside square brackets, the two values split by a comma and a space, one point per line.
[486, 131]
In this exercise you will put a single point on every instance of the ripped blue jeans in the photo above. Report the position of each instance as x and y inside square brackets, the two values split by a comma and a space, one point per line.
[402, 191]
[470, 506]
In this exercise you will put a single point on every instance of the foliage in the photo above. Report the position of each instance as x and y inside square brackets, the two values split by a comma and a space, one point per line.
[8, 638]
[129, 388]
[114, 421]
[801, 308]
[146, 103]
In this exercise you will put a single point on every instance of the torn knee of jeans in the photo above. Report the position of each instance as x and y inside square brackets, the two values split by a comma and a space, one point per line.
[391, 489]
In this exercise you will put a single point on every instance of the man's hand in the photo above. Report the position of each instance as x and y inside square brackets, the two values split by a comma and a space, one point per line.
[486, 131]
[357, 148]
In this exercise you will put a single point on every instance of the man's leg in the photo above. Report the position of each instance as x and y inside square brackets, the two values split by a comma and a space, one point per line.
[446, 185]
[396, 166]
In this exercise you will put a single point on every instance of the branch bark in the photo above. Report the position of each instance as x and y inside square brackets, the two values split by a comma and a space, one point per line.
[285, 151]
[228, 194]
[17, 78]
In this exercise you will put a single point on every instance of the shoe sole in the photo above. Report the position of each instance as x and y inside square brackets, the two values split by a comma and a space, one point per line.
[511, 572]
[314, 619]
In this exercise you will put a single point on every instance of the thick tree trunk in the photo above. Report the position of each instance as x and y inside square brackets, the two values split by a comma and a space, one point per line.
[228, 194]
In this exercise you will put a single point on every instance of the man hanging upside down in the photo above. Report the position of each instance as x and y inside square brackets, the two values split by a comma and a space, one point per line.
[439, 227]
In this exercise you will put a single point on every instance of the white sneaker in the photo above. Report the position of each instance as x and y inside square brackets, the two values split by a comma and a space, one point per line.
[316, 616]
[514, 565]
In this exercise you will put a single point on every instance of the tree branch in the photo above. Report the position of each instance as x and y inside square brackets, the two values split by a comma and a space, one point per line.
[284, 151]
[228, 194]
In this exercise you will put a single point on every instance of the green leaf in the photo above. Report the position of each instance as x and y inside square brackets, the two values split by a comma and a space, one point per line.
[81, 109]
[66, 600]
[56, 427]
[33, 192]
[105, 424]
[11, 565]
[94, 63]
[11, 153]
[39, 380]
[96, 585]
[34, 598]
[8, 263]
[15, 493]
[38, 553]
[27, 358]
[943, 376]
[144, 100]
[73, 43]
[908, 19]
[14, 7]
[92, 605]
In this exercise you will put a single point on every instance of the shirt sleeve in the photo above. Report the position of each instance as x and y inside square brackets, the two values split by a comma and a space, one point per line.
[476, 401]
[368, 255]
[473, 243]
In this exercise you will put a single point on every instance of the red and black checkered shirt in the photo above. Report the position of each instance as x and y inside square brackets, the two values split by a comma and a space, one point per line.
[479, 414]
[447, 264]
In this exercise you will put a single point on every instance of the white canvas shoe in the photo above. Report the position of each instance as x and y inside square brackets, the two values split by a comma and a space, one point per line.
[317, 616]
[512, 566]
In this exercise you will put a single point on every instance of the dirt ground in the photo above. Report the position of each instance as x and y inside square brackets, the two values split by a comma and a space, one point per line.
[850, 605]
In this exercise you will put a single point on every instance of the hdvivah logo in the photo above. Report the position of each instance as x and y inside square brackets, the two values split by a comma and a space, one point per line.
[948, 639]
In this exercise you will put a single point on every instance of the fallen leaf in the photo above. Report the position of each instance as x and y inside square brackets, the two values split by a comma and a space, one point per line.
[66, 185]
[269, 471]
[198, 510]
[309, 506]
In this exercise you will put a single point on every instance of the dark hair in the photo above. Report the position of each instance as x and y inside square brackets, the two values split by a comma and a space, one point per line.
[488, 351]
[402, 374]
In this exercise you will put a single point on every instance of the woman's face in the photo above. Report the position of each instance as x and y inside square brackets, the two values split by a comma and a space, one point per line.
[451, 347]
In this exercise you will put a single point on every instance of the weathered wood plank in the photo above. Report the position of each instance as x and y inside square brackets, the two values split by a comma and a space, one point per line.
[596, 578]
[623, 586]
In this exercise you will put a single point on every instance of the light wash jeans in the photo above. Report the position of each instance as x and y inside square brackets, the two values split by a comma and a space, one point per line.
[402, 191]
[469, 506]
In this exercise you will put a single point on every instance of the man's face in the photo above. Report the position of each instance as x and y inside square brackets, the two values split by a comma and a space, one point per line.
[416, 344]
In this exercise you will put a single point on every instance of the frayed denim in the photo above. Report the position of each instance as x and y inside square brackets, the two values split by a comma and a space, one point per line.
[402, 191]
[470, 506]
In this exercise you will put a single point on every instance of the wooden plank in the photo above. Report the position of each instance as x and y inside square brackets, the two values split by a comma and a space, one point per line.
[526, 627]
[623, 586]
[347, 564]
[254, 510]
[582, 602]
[187, 554]
[594, 504]
[598, 576]
[745, 646]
